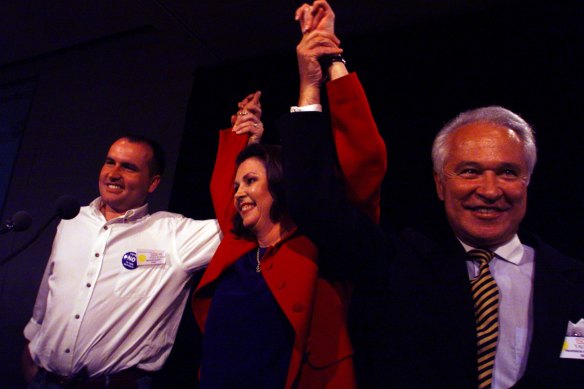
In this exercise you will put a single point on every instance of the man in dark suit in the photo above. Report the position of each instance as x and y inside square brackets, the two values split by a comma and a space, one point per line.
[415, 317]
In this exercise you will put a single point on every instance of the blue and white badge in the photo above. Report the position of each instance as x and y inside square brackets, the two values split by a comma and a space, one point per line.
[130, 261]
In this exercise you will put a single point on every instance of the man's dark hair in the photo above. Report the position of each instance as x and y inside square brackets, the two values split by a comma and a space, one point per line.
[157, 163]
[271, 157]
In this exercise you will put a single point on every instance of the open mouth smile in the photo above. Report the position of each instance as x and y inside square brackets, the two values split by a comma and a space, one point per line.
[115, 187]
[244, 207]
[486, 211]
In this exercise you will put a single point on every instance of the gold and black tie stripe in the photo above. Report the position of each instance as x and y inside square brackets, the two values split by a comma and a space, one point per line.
[485, 295]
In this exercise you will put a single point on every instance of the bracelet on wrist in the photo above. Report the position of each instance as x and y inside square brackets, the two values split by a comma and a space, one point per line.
[325, 63]
[327, 60]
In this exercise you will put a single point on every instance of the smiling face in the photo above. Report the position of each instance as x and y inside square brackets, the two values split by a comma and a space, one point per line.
[124, 180]
[484, 184]
[253, 200]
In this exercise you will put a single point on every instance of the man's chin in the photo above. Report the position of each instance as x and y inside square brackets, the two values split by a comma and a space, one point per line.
[114, 205]
[486, 239]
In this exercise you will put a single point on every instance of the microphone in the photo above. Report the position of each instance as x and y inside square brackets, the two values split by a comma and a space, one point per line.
[66, 207]
[20, 221]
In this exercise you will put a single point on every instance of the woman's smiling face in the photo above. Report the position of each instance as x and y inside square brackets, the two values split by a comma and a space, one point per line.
[253, 200]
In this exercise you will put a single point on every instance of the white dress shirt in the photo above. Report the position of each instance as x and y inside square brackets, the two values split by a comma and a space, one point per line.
[512, 269]
[93, 312]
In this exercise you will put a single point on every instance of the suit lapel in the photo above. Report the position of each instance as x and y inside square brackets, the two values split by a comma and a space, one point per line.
[450, 267]
[551, 311]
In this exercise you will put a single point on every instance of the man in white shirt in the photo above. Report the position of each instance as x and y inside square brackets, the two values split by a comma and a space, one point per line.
[117, 280]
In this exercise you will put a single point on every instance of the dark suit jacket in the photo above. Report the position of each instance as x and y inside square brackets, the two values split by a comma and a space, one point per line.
[412, 318]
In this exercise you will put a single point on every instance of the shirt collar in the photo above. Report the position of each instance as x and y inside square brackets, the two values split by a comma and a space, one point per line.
[511, 251]
[130, 215]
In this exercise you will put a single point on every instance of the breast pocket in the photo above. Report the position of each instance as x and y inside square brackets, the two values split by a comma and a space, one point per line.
[140, 282]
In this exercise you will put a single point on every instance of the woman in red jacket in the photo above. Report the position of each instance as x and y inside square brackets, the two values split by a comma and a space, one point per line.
[269, 319]
[257, 299]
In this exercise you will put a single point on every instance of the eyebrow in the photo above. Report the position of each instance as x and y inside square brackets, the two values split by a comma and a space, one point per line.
[246, 175]
[500, 165]
[129, 165]
[123, 164]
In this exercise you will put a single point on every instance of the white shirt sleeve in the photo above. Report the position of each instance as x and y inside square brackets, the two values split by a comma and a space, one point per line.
[307, 108]
[196, 242]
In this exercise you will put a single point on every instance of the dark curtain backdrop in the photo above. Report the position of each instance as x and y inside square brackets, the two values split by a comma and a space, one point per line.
[526, 57]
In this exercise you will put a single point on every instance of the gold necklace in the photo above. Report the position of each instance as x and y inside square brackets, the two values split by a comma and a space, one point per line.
[259, 265]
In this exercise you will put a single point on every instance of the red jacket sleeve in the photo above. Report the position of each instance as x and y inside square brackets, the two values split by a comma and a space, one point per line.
[230, 145]
[360, 147]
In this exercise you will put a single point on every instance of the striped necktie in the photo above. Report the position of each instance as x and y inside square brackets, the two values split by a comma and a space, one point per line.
[485, 295]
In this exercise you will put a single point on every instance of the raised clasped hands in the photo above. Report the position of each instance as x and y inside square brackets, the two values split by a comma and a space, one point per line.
[318, 16]
[247, 118]
[317, 22]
